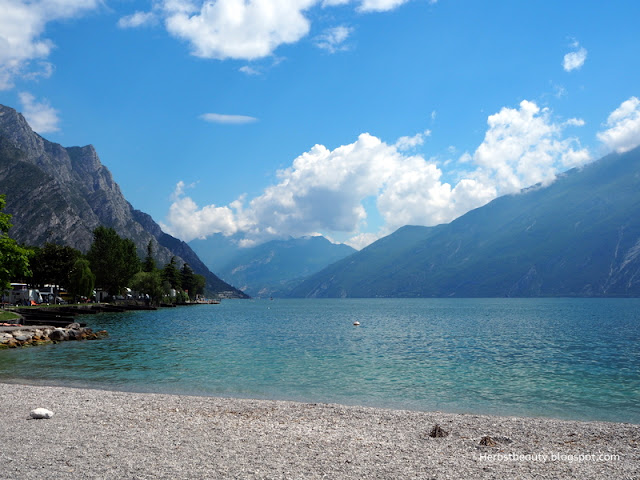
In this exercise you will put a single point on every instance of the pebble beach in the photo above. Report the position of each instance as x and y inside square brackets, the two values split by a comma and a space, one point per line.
[121, 435]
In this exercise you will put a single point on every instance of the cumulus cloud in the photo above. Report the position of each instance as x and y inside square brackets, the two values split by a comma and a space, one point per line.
[523, 147]
[575, 59]
[326, 190]
[22, 24]
[42, 118]
[623, 132]
[227, 119]
[137, 19]
[237, 29]
[333, 39]
[254, 29]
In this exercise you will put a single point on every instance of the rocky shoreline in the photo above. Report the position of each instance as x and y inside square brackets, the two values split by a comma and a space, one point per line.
[52, 324]
[24, 336]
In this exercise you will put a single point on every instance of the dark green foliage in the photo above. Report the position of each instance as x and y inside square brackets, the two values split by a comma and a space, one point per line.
[149, 264]
[188, 280]
[14, 259]
[81, 279]
[171, 275]
[149, 283]
[113, 260]
[52, 264]
[200, 283]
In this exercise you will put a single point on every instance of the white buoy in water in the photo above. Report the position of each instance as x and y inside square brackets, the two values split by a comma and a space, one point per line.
[356, 323]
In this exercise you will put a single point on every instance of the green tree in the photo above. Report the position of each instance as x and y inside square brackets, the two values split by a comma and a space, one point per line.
[188, 280]
[171, 274]
[14, 259]
[149, 264]
[113, 260]
[200, 284]
[52, 264]
[81, 279]
[149, 283]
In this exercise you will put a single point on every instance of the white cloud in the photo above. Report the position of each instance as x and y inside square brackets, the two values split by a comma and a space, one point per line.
[523, 147]
[188, 221]
[253, 29]
[326, 190]
[42, 118]
[22, 25]
[364, 239]
[137, 19]
[574, 60]
[227, 119]
[237, 29]
[247, 70]
[333, 39]
[380, 5]
[407, 143]
[623, 133]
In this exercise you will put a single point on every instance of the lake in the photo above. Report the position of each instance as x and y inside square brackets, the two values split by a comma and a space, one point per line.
[557, 357]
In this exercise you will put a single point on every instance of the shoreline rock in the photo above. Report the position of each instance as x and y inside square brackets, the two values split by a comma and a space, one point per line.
[25, 336]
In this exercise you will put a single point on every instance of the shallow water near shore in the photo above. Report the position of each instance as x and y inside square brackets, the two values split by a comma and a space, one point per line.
[563, 358]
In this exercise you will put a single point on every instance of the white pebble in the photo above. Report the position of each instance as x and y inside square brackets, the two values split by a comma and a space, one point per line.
[41, 413]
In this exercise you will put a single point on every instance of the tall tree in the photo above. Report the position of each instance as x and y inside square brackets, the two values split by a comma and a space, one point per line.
[52, 264]
[188, 280]
[200, 283]
[81, 279]
[113, 260]
[149, 283]
[14, 259]
[171, 274]
[149, 264]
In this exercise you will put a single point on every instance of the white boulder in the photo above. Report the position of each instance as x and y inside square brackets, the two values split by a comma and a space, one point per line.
[41, 413]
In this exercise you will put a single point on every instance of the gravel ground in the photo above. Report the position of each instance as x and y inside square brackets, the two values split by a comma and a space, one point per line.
[117, 435]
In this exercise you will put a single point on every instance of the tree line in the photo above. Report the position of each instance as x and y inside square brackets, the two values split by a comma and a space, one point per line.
[112, 264]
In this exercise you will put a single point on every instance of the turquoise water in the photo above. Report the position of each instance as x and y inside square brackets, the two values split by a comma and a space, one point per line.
[563, 358]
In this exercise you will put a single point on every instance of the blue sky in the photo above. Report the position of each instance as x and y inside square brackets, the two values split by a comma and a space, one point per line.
[269, 118]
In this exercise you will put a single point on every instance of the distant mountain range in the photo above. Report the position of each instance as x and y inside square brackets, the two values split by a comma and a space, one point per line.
[61, 195]
[579, 236]
[272, 268]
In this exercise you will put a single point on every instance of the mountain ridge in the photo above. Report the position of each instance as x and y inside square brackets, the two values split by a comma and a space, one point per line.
[579, 236]
[61, 195]
[271, 268]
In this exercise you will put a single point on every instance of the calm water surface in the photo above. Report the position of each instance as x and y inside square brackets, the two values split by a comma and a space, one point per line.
[564, 358]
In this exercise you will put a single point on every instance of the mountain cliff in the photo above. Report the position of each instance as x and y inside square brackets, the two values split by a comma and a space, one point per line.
[579, 236]
[61, 195]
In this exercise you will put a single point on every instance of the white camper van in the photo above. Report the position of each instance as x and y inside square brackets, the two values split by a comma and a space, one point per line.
[20, 294]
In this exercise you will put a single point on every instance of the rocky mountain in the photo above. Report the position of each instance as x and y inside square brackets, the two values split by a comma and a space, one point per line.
[272, 268]
[579, 236]
[61, 195]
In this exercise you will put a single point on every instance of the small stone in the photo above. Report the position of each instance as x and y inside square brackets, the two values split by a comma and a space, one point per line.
[6, 338]
[438, 432]
[22, 336]
[58, 335]
[41, 413]
[487, 441]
